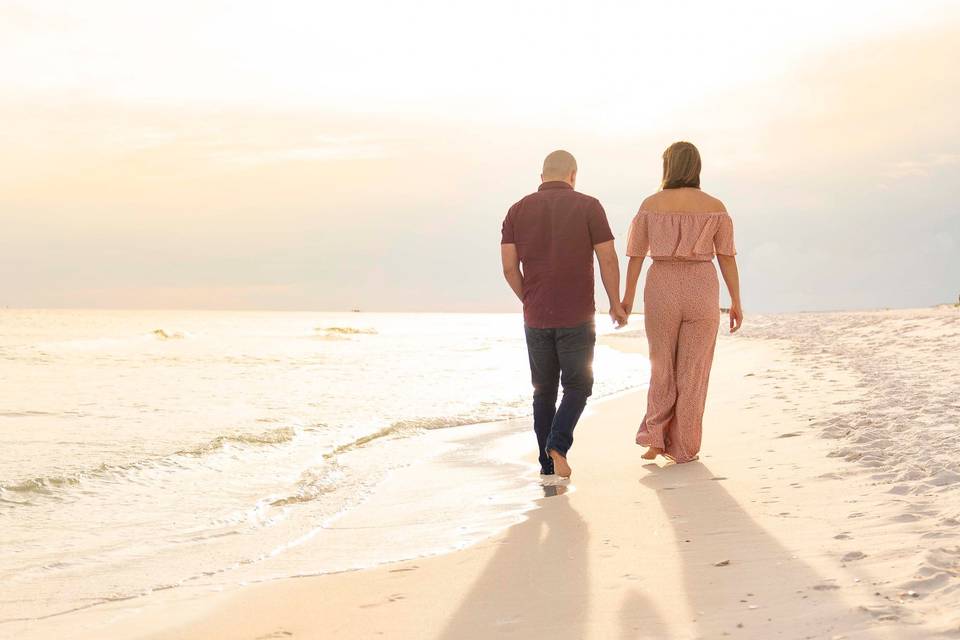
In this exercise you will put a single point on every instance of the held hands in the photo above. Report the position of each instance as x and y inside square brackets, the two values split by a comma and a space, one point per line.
[618, 315]
[736, 317]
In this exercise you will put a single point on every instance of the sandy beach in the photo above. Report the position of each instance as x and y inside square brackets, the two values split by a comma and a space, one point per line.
[824, 505]
[291, 291]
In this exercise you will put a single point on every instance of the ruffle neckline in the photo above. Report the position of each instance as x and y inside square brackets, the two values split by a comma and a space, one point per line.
[685, 213]
[685, 235]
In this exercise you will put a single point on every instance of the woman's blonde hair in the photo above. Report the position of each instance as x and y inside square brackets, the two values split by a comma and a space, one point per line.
[681, 166]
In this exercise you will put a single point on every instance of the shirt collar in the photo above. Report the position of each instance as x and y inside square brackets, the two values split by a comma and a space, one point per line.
[554, 184]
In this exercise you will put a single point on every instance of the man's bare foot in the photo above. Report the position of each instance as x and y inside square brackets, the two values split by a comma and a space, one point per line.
[651, 453]
[560, 466]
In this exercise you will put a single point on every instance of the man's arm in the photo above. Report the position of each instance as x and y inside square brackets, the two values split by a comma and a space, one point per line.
[511, 268]
[610, 274]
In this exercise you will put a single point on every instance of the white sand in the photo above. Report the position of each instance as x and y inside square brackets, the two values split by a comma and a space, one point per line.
[826, 493]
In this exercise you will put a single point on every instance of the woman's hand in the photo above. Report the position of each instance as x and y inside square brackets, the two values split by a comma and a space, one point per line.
[618, 315]
[731, 275]
[627, 306]
[736, 317]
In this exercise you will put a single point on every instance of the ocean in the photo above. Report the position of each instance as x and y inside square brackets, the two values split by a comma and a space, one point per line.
[142, 451]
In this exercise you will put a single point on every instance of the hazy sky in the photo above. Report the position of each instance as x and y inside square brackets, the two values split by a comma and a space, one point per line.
[362, 154]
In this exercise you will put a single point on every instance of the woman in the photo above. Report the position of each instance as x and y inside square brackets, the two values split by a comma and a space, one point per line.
[681, 228]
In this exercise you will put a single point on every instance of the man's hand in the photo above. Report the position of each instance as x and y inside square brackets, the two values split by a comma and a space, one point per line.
[618, 315]
[610, 274]
[736, 317]
[627, 306]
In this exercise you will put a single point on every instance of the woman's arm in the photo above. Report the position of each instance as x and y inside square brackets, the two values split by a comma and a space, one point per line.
[728, 267]
[633, 275]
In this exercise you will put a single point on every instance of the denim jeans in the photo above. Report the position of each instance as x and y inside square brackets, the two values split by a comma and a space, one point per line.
[559, 357]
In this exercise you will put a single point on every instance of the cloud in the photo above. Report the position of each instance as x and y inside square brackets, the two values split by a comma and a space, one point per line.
[324, 148]
[179, 297]
[912, 168]
[117, 203]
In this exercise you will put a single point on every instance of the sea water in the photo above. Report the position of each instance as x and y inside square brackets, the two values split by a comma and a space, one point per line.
[148, 450]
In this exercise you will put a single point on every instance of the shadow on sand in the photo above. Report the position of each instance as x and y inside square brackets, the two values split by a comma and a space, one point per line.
[545, 559]
[764, 591]
[537, 584]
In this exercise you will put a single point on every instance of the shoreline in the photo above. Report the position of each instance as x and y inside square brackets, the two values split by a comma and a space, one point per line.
[773, 533]
[227, 479]
[358, 539]
[487, 587]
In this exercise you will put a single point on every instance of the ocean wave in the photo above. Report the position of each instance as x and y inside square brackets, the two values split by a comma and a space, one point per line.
[111, 343]
[25, 414]
[271, 437]
[316, 482]
[162, 334]
[347, 331]
[6, 500]
[47, 485]
[331, 337]
[411, 426]
[43, 484]
[312, 484]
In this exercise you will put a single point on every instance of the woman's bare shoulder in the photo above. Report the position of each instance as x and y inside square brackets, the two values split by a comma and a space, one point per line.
[650, 202]
[714, 203]
[692, 200]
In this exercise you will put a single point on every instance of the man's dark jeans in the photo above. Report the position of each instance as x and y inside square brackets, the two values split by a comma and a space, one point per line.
[559, 357]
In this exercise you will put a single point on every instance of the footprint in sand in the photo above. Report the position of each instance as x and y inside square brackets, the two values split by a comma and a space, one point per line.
[936, 535]
[414, 567]
[853, 556]
[930, 584]
[883, 613]
[944, 478]
[905, 517]
[392, 598]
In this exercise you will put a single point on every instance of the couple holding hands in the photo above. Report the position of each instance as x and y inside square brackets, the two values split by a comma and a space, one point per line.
[547, 246]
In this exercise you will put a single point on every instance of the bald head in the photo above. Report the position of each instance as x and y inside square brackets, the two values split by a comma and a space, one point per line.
[559, 165]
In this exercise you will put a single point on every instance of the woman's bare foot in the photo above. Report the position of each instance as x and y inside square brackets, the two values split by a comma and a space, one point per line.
[651, 453]
[560, 466]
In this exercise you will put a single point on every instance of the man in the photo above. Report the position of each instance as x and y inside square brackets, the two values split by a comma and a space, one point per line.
[554, 233]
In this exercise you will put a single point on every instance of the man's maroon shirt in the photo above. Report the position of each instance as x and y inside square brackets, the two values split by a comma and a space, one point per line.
[555, 230]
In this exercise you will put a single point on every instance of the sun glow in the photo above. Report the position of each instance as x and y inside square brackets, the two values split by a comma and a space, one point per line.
[253, 140]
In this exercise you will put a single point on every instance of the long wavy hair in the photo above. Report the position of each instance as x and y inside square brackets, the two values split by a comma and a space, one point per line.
[681, 166]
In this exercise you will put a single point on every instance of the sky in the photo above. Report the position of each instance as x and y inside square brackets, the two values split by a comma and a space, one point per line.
[329, 156]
